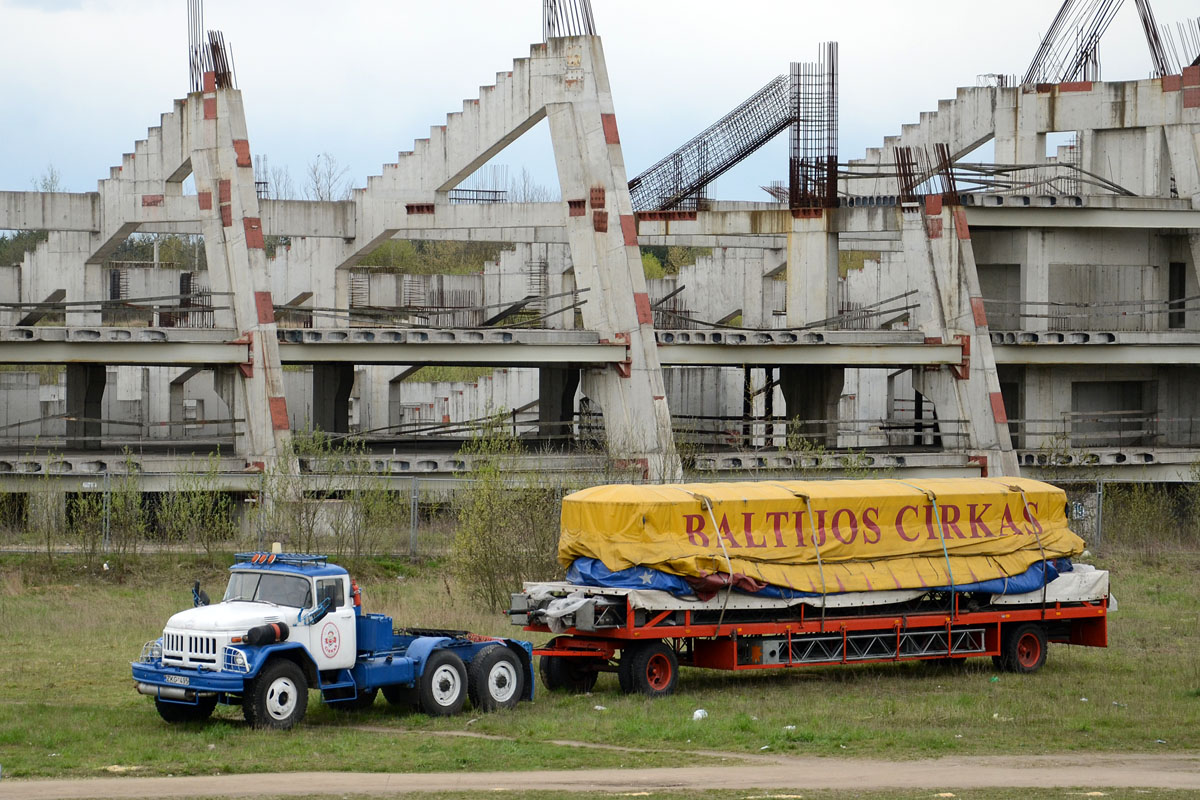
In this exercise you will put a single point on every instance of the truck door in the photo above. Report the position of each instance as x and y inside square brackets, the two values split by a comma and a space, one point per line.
[331, 640]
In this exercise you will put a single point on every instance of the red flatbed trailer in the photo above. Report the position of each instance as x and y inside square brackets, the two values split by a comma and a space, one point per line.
[645, 636]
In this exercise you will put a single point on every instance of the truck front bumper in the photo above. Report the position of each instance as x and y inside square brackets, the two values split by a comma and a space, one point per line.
[184, 685]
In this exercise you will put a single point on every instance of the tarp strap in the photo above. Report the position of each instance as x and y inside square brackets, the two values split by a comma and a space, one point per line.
[728, 562]
[1038, 534]
[812, 529]
[937, 517]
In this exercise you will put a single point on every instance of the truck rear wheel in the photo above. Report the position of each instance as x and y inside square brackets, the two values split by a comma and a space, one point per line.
[496, 679]
[443, 686]
[574, 674]
[649, 668]
[1023, 649]
[278, 697]
[181, 712]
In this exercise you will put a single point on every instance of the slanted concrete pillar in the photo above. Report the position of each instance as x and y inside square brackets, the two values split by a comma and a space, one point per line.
[556, 404]
[331, 386]
[813, 393]
[812, 274]
[85, 393]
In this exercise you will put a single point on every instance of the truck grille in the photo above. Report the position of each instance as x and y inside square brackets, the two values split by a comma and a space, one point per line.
[186, 650]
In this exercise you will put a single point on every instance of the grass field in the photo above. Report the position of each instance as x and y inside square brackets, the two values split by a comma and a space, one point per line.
[67, 706]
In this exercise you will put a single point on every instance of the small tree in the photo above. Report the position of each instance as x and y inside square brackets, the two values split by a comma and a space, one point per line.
[507, 523]
[195, 512]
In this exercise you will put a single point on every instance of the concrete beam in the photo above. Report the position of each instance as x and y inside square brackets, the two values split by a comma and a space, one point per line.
[1097, 354]
[50, 211]
[848, 355]
[333, 220]
[102, 345]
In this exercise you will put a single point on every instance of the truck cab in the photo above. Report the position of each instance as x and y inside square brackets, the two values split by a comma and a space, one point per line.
[290, 622]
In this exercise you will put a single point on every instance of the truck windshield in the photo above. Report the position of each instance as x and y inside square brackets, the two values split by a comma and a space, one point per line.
[267, 587]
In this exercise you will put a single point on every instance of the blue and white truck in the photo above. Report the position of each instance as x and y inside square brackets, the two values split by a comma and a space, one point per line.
[292, 622]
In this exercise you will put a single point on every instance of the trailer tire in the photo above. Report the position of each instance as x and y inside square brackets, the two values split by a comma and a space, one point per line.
[649, 668]
[495, 679]
[180, 712]
[442, 689]
[574, 674]
[402, 696]
[364, 701]
[278, 697]
[1023, 649]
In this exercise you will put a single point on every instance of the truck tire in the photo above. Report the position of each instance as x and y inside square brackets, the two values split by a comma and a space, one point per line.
[1023, 649]
[649, 668]
[180, 712]
[495, 679]
[278, 697]
[402, 696]
[574, 674]
[364, 701]
[442, 689]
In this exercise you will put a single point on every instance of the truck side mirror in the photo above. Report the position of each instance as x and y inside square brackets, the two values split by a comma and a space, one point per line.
[199, 596]
[316, 615]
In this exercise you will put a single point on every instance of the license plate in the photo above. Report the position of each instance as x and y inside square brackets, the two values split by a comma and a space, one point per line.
[182, 680]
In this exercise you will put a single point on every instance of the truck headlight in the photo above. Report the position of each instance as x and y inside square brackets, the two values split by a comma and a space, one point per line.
[235, 660]
[151, 652]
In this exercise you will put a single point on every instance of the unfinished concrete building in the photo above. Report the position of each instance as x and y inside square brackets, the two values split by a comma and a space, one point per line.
[910, 309]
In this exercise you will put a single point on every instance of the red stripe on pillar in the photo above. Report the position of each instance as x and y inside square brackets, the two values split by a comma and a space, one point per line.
[629, 230]
[152, 200]
[254, 234]
[210, 108]
[610, 128]
[934, 226]
[998, 408]
[279, 415]
[978, 312]
[205, 201]
[1191, 98]
[641, 301]
[242, 148]
[224, 191]
[265, 307]
[226, 215]
[933, 204]
[1172, 83]
[1191, 76]
[1075, 86]
[210, 81]
[960, 224]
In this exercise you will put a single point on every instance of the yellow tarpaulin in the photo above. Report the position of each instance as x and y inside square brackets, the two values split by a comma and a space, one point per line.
[870, 534]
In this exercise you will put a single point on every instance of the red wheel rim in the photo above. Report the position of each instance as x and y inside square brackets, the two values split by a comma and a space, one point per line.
[1029, 650]
[658, 672]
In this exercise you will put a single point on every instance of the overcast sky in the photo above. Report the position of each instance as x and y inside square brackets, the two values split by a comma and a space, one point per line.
[81, 80]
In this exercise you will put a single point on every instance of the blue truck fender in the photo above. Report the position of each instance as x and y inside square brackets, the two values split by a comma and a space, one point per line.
[420, 649]
[257, 657]
[524, 653]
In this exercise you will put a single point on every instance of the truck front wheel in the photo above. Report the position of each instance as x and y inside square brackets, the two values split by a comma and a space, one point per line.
[496, 679]
[443, 686]
[278, 697]
[181, 712]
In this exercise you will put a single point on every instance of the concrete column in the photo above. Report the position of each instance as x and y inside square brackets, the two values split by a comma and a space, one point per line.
[1183, 148]
[952, 310]
[177, 393]
[812, 253]
[1017, 138]
[331, 387]
[1035, 280]
[85, 395]
[556, 404]
[233, 241]
[604, 250]
[813, 393]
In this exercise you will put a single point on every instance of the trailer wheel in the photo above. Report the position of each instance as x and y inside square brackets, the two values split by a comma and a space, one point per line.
[574, 674]
[180, 712]
[278, 697]
[1024, 649]
[402, 696]
[649, 668]
[443, 686]
[495, 679]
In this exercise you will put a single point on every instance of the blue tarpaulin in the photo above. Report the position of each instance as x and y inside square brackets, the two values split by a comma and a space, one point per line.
[591, 572]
